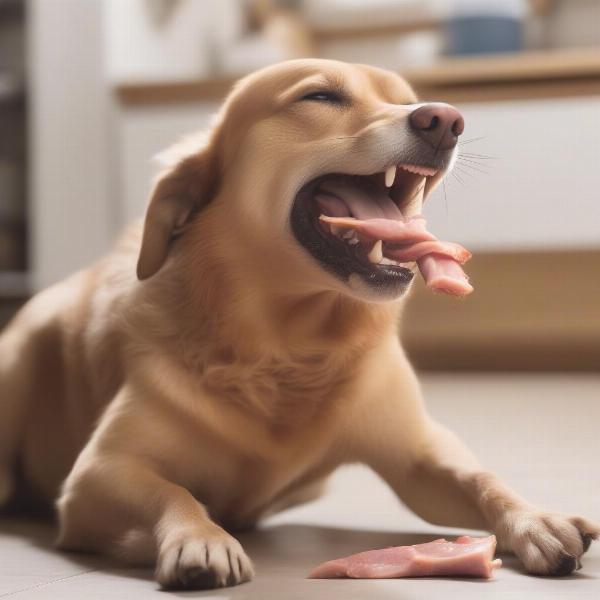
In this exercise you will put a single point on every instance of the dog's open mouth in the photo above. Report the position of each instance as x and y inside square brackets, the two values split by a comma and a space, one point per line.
[371, 226]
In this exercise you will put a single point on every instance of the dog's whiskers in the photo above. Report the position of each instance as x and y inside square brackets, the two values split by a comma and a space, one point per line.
[474, 167]
[455, 175]
[464, 172]
[445, 196]
[480, 156]
[416, 192]
[470, 160]
[470, 141]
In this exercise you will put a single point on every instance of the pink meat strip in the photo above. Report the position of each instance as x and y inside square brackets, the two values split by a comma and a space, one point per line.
[444, 274]
[387, 229]
[465, 557]
[407, 241]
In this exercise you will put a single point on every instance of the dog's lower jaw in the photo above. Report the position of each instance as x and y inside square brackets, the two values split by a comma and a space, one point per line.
[389, 291]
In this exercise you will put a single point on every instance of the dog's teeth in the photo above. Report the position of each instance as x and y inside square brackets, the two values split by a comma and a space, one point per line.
[389, 261]
[390, 175]
[351, 237]
[424, 171]
[376, 254]
[394, 263]
[336, 230]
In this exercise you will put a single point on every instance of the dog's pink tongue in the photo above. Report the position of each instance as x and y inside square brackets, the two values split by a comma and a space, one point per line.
[362, 204]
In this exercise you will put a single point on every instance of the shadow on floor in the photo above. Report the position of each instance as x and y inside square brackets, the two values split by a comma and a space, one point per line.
[40, 532]
[280, 552]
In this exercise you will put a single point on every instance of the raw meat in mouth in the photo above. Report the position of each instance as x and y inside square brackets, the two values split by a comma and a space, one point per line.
[465, 557]
[360, 212]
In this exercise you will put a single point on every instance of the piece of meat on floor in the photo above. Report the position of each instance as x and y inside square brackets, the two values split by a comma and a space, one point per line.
[465, 557]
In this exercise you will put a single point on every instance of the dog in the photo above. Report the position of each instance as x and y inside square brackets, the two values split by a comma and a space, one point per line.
[230, 352]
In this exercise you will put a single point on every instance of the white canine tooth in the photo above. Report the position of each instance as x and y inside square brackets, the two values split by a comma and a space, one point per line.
[390, 175]
[376, 253]
[337, 230]
[389, 261]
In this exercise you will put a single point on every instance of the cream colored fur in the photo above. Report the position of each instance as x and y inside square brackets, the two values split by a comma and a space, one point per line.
[163, 412]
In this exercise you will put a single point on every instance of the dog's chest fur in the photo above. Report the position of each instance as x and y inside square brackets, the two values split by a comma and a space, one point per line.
[284, 391]
[289, 390]
[271, 423]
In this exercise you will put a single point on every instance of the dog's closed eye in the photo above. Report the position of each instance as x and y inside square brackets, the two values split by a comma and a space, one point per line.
[325, 96]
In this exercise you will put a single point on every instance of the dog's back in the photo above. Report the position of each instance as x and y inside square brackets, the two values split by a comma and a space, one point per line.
[50, 395]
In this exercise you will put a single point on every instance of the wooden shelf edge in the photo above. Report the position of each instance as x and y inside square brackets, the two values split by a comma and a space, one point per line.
[522, 75]
[357, 33]
[514, 67]
[173, 92]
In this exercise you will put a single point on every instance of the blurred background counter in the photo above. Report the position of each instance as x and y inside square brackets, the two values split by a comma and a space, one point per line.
[113, 82]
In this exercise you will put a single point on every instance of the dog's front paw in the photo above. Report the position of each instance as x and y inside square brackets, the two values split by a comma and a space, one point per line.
[197, 561]
[547, 543]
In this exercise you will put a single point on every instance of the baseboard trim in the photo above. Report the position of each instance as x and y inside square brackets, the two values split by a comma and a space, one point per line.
[529, 311]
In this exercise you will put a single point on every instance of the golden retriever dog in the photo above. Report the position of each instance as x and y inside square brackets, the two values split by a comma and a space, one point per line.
[231, 353]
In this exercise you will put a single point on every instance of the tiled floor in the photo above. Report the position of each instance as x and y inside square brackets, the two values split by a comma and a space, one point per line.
[540, 432]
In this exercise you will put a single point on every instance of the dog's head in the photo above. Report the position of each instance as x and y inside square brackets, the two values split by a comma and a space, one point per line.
[296, 140]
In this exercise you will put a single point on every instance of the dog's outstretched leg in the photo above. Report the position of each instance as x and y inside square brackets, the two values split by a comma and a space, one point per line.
[446, 482]
[436, 476]
[119, 503]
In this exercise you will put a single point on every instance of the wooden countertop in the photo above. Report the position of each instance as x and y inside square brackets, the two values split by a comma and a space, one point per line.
[521, 66]
[471, 79]
[511, 76]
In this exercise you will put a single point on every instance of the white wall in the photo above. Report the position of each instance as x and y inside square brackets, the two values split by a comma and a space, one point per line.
[154, 40]
[72, 206]
[81, 194]
[542, 190]
[143, 133]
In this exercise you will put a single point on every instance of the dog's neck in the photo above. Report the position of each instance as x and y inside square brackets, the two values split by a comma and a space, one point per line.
[249, 311]
[278, 353]
[247, 317]
[287, 360]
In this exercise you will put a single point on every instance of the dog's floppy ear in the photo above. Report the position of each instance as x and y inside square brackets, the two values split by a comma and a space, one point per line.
[184, 187]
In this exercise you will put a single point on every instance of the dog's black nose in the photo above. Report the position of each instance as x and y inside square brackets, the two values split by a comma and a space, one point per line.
[438, 124]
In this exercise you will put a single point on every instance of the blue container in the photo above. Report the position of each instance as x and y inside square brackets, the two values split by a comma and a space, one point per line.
[483, 34]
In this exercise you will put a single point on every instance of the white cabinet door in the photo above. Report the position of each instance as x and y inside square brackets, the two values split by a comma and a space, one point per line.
[542, 189]
[70, 142]
[143, 133]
